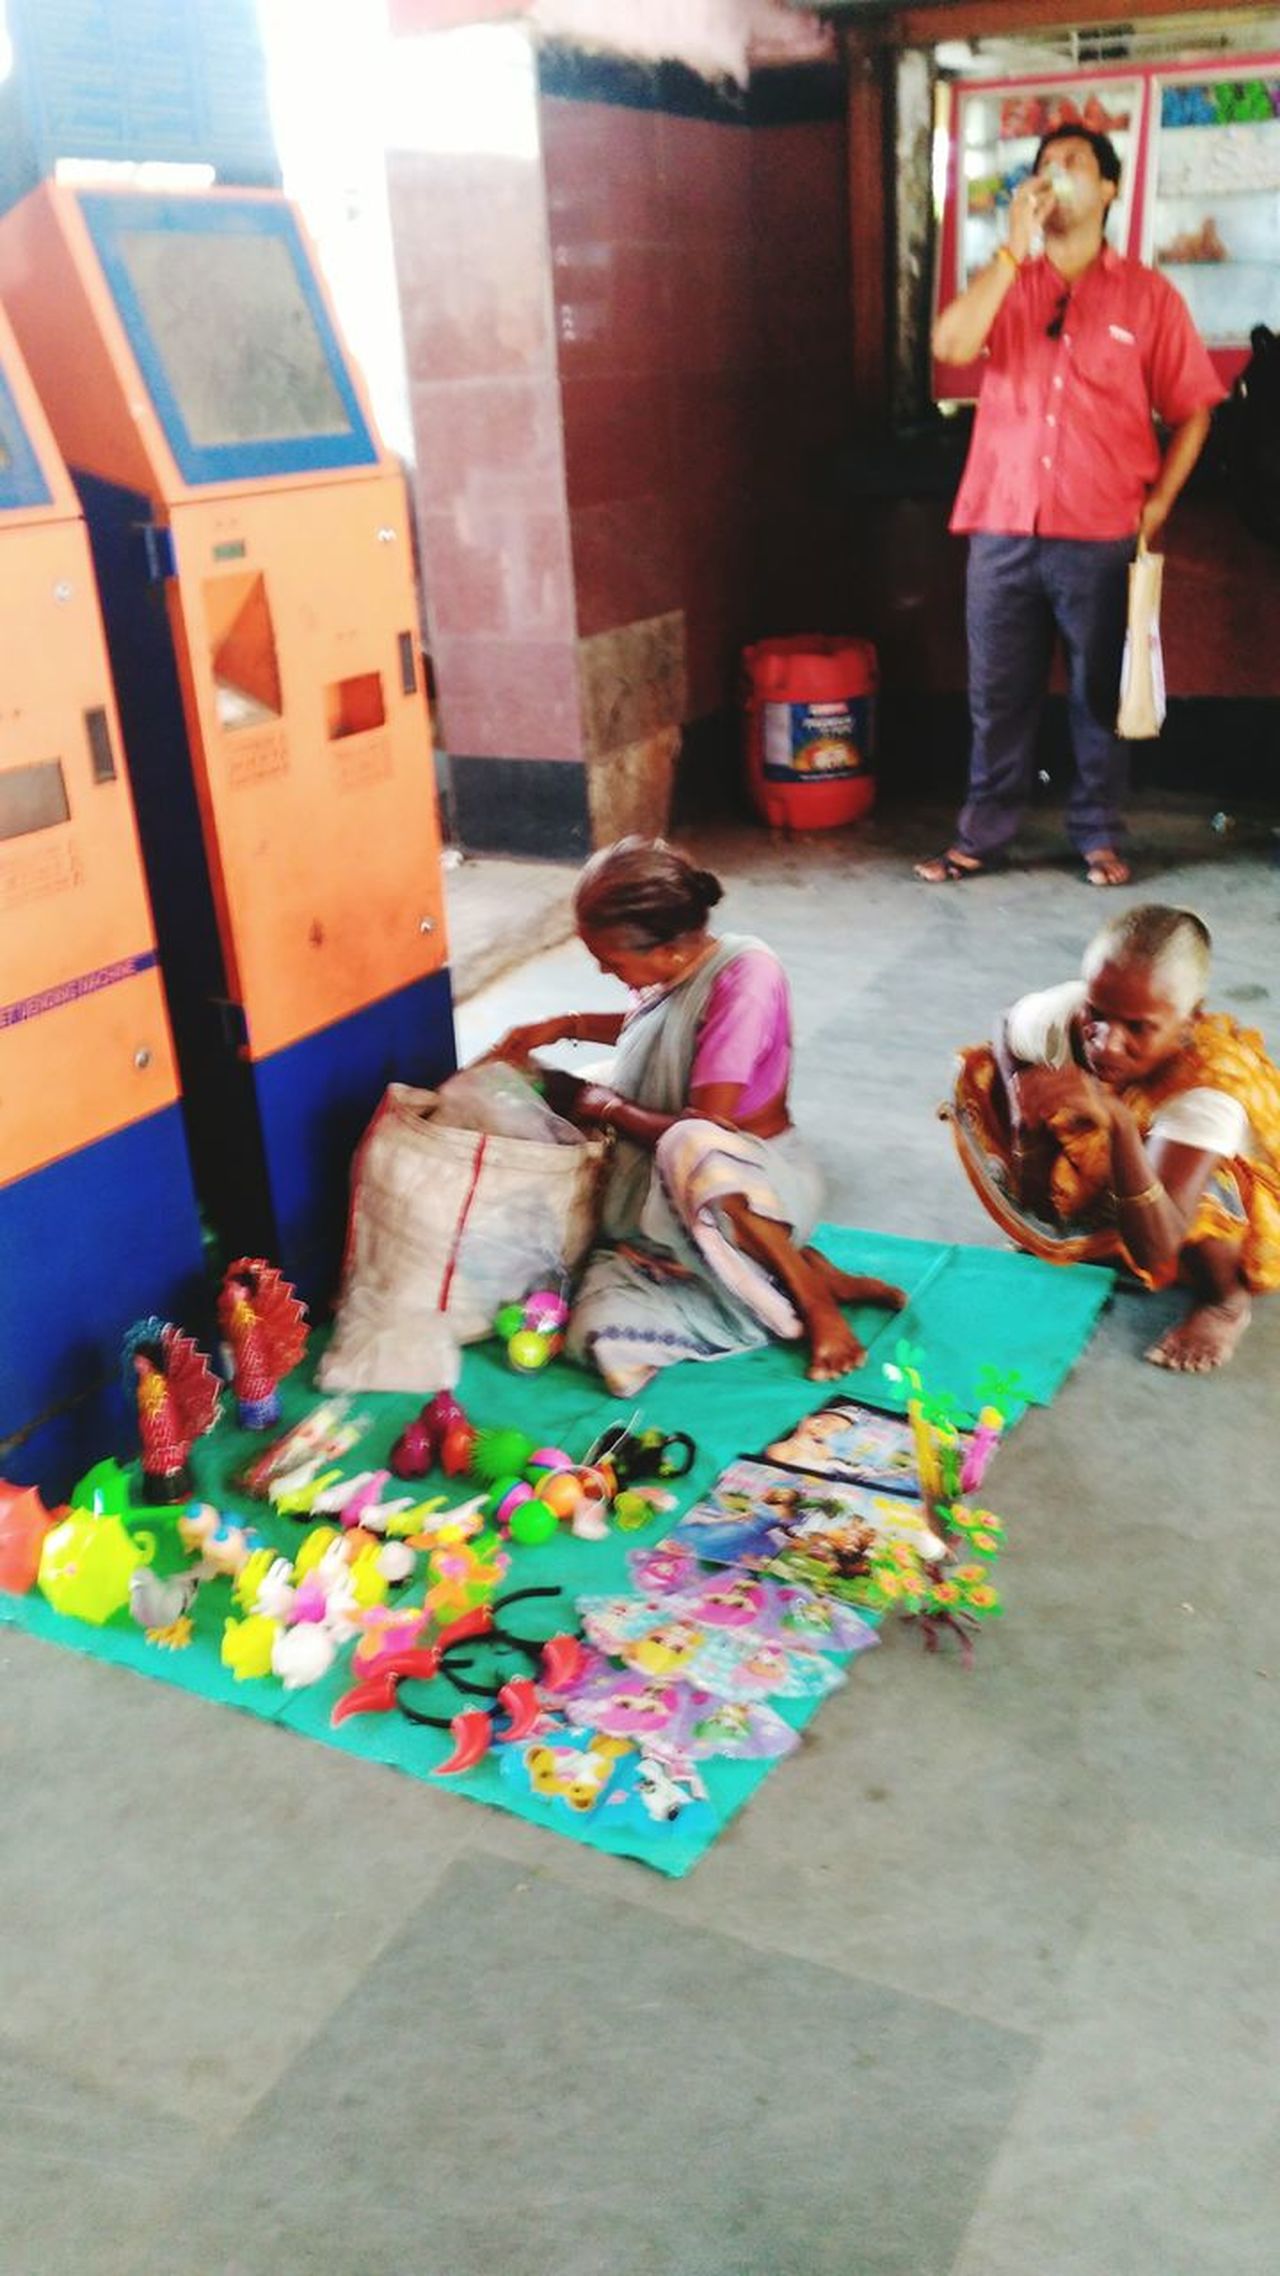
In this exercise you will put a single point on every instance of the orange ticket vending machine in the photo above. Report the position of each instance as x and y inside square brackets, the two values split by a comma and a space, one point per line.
[98, 1219]
[255, 560]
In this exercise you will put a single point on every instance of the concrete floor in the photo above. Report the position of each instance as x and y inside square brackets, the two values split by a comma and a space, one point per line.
[983, 1982]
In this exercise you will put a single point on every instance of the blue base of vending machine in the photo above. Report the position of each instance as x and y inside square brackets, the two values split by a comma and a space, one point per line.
[88, 1245]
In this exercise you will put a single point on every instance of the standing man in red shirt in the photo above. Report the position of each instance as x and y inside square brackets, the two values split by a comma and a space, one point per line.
[1083, 349]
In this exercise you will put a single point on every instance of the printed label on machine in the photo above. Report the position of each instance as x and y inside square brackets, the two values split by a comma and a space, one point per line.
[36, 873]
[816, 741]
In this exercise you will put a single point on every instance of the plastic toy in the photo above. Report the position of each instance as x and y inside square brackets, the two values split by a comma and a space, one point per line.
[302, 1655]
[507, 1497]
[266, 1334]
[316, 1546]
[322, 1437]
[456, 1449]
[397, 1563]
[444, 1527]
[576, 1768]
[369, 1583]
[533, 1522]
[87, 1564]
[264, 1583]
[161, 1606]
[499, 1454]
[547, 1458]
[516, 1698]
[177, 1401]
[223, 1543]
[533, 1330]
[24, 1522]
[420, 1444]
[108, 1487]
[633, 1454]
[248, 1645]
[295, 1495]
[464, 1577]
[560, 1492]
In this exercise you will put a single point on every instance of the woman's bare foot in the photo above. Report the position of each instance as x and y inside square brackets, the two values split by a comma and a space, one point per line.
[855, 1288]
[1207, 1337]
[834, 1350]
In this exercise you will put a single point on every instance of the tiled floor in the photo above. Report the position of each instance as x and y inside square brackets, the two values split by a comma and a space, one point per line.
[983, 1983]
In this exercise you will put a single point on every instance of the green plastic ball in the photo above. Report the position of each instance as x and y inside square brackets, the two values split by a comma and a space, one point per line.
[532, 1523]
[509, 1321]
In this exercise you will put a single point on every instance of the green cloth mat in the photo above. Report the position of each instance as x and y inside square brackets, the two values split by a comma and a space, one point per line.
[969, 1308]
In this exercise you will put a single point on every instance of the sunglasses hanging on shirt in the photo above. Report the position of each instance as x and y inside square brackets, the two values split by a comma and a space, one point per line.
[1053, 329]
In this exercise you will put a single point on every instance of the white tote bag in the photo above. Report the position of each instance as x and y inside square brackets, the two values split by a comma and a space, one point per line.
[1142, 702]
[446, 1226]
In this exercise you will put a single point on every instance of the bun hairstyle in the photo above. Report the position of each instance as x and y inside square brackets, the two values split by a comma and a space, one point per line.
[645, 893]
[1174, 944]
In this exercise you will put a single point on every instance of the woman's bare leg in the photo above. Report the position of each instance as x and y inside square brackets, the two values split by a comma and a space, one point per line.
[834, 1350]
[1222, 1310]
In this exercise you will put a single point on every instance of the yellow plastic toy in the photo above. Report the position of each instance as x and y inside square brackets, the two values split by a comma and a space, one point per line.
[87, 1562]
[298, 1501]
[249, 1579]
[369, 1584]
[316, 1545]
[247, 1645]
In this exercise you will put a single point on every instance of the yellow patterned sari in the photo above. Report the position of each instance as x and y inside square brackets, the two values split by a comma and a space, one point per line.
[1240, 1202]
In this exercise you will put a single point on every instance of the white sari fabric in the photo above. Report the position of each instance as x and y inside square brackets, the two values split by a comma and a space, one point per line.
[667, 1282]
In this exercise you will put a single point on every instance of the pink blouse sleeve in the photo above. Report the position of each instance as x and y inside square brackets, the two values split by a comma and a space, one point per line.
[745, 1035]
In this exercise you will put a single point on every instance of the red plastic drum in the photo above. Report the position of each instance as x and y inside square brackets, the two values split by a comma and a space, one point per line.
[810, 705]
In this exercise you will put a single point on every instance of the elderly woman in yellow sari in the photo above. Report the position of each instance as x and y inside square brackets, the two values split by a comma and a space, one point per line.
[1115, 1120]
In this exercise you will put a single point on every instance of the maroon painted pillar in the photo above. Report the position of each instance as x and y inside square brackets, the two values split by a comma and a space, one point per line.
[625, 305]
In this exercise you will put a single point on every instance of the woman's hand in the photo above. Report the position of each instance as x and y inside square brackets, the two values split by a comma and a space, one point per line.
[519, 1042]
[1040, 1093]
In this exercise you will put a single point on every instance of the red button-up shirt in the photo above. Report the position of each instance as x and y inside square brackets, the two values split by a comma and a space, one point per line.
[1064, 443]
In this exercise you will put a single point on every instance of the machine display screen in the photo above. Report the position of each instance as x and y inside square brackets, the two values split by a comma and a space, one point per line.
[21, 481]
[32, 798]
[236, 337]
[230, 329]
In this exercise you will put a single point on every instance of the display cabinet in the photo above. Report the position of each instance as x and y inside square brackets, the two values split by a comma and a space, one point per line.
[1213, 212]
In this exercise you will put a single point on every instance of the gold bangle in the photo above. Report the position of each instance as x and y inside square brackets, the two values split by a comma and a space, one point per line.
[1006, 253]
[1144, 1200]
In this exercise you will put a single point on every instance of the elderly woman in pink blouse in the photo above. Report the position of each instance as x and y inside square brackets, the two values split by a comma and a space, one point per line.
[711, 1193]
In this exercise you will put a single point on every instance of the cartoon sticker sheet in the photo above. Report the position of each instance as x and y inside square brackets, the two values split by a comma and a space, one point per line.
[756, 1514]
[680, 1672]
[855, 1443]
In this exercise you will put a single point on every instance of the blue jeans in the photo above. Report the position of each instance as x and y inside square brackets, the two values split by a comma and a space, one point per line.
[1020, 592]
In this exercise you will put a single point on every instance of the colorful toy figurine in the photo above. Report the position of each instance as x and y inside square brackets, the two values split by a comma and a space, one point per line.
[177, 1401]
[223, 1543]
[161, 1606]
[265, 1327]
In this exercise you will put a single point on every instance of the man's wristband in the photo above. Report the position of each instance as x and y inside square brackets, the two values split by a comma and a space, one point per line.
[1006, 253]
